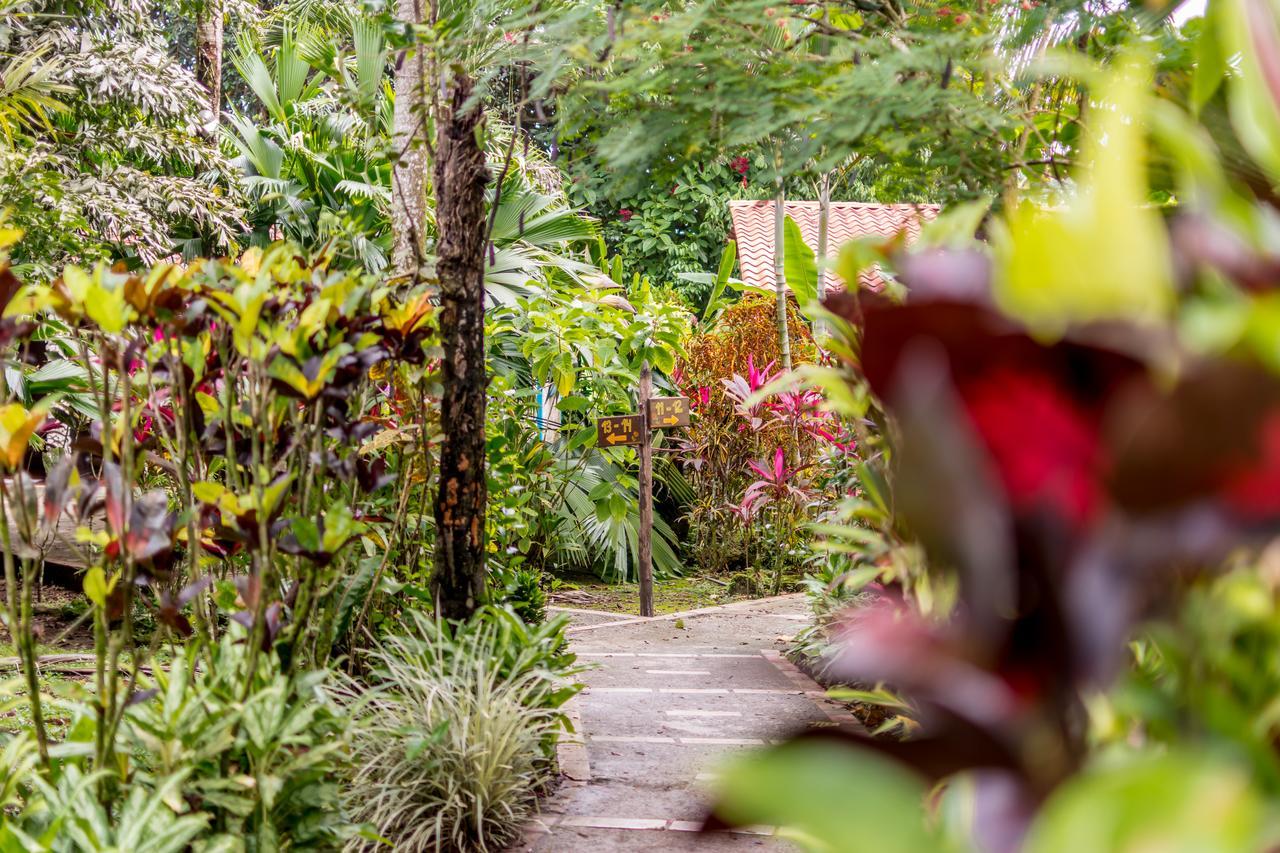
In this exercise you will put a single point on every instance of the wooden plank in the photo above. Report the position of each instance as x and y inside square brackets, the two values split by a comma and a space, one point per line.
[667, 412]
[56, 546]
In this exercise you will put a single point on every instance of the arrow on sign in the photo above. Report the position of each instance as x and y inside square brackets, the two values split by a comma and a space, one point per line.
[671, 421]
[616, 438]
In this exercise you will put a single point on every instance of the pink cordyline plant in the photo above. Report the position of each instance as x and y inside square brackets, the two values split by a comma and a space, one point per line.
[775, 483]
[801, 411]
[836, 437]
[740, 389]
[744, 512]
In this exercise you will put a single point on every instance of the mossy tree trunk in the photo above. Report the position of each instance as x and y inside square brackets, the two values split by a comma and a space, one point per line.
[460, 179]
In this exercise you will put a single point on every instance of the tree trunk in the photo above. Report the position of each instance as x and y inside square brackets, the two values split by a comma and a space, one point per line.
[209, 53]
[824, 228]
[460, 179]
[409, 157]
[780, 268]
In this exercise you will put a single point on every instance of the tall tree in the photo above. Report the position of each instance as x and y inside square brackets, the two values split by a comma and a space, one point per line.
[460, 180]
[209, 34]
[126, 166]
[474, 42]
[780, 262]
[409, 151]
[811, 82]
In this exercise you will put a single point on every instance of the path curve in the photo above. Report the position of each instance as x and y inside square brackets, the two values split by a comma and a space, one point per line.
[667, 701]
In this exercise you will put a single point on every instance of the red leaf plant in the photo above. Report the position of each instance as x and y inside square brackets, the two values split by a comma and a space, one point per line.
[1069, 491]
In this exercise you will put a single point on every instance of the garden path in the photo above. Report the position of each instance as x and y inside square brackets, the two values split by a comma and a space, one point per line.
[667, 701]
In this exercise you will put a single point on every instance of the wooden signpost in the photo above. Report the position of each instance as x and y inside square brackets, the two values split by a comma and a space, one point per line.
[668, 412]
[623, 430]
[618, 430]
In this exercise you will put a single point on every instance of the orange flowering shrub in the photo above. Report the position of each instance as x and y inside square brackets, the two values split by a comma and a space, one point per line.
[746, 329]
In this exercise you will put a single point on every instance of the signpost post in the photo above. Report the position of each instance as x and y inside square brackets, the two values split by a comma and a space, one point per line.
[637, 429]
[646, 495]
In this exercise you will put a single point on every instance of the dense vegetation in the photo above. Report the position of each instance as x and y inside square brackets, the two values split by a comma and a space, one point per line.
[309, 309]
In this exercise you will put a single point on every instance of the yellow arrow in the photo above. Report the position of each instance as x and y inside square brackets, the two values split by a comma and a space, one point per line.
[615, 438]
[671, 421]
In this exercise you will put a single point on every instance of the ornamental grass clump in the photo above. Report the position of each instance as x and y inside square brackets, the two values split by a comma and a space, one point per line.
[448, 741]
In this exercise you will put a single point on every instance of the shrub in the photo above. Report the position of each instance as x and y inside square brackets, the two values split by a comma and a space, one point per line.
[451, 741]
[263, 762]
[748, 329]
[204, 759]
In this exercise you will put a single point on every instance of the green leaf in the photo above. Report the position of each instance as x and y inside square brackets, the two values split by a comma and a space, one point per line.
[832, 794]
[1105, 253]
[565, 380]
[572, 404]
[107, 307]
[1176, 801]
[353, 596]
[1209, 66]
[307, 534]
[1246, 38]
[727, 259]
[800, 264]
[95, 586]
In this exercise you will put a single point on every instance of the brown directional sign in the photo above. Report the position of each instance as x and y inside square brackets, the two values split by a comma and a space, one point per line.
[618, 430]
[668, 412]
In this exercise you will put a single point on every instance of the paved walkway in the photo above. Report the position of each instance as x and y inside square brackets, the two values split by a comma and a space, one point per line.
[668, 700]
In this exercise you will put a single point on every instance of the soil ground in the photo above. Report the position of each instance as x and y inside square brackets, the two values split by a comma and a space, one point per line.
[57, 616]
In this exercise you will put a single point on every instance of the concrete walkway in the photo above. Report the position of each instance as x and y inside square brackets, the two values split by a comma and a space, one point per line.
[668, 701]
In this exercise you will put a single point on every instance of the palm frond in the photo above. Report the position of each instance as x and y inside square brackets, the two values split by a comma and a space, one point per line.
[29, 91]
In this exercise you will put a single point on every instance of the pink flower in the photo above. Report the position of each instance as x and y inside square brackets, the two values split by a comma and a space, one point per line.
[625, 215]
[740, 165]
[702, 396]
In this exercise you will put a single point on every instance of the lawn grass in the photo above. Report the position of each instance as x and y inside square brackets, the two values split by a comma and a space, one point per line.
[671, 595]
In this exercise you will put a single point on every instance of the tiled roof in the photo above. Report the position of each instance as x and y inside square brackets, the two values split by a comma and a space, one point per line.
[753, 229]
